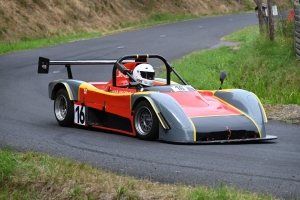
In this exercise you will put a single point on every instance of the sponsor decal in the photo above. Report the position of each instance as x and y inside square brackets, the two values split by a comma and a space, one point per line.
[120, 91]
[179, 88]
[85, 90]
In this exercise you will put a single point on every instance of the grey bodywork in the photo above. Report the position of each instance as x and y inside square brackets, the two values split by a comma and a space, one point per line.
[175, 125]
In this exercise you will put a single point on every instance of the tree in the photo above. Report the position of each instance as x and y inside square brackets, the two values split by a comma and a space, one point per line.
[265, 18]
[260, 15]
[270, 20]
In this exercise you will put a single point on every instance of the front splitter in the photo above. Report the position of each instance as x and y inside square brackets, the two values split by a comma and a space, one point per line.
[268, 137]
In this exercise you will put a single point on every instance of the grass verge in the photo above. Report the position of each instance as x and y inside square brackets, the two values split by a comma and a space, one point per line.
[32, 43]
[35, 176]
[269, 69]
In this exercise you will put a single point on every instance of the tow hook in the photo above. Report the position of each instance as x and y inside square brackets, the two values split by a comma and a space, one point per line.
[229, 132]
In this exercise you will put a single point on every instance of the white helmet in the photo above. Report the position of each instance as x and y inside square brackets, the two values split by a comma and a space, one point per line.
[144, 73]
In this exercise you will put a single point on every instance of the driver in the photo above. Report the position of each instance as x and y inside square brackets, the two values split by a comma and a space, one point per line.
[144, 73]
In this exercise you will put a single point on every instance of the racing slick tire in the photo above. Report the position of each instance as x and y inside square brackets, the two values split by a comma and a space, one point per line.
[145, 121]
[63, 108]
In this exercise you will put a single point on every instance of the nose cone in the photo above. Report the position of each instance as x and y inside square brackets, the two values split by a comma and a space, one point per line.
[225, 128]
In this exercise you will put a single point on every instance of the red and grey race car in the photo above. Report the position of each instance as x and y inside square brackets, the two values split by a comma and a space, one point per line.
[136, 103]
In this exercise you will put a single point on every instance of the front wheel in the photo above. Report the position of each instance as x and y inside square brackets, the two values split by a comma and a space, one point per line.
[145, 121]
[63, 108]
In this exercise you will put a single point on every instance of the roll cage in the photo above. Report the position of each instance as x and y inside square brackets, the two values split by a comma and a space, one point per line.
[44, 63]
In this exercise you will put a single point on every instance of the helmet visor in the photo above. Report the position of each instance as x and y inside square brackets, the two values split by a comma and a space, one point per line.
[148, 75]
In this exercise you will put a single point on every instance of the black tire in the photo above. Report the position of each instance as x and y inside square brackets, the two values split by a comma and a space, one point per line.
[145, 121]
[63, 108]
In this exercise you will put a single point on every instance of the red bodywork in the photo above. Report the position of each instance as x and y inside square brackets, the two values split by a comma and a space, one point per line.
[117, 100]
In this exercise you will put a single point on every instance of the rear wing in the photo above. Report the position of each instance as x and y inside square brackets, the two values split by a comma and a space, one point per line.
[44, 63]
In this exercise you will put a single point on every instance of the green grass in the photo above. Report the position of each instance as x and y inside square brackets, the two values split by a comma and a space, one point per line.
[7, 166]
[35, 176]
[269, 69]
[33, 43]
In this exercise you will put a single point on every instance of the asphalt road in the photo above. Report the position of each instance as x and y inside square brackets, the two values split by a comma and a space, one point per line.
[27, 121]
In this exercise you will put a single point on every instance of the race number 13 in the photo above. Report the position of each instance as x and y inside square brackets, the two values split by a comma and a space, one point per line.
[79, 115]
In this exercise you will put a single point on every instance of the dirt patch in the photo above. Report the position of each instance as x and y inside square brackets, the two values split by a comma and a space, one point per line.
[21, 20]
[284, 113]
[25, 19]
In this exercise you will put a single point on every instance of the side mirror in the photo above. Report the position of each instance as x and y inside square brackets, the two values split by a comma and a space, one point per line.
[222, 78]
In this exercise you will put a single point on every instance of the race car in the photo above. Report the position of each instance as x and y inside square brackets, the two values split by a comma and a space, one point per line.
[136, 103]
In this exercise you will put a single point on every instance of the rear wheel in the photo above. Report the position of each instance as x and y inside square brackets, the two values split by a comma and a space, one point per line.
[63, 108]
[145, 121]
